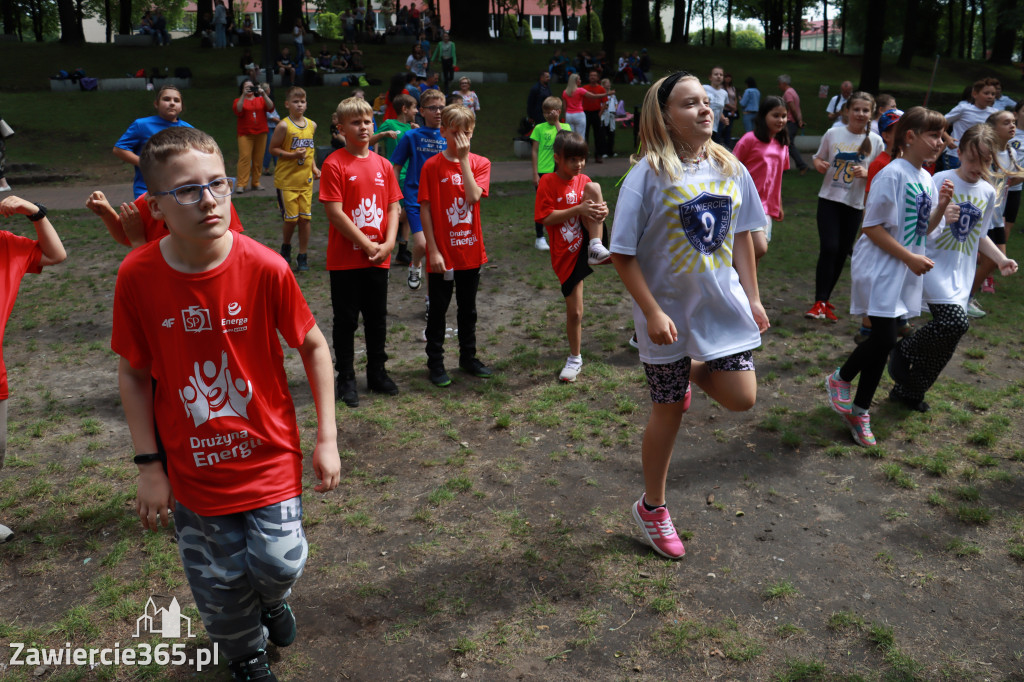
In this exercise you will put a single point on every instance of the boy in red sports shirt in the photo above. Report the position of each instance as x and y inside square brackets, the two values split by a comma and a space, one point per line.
[451, 186]
[360, 195]
[19, 255]
[572, 208]
[199, 312]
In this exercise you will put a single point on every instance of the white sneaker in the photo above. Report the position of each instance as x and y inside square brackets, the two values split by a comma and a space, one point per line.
[597, 254]
[414, 277]
[541, 244]
[573, 366]
[5, 534]
[974, 310]
[633, 342]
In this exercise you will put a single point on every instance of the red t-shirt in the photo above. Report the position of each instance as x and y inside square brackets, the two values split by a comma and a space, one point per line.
[210, 340]
[155, 229]
[18, 255]
[591, 104]
[880, 162]
[565, 239]
[252, 119]
[366, 187]
[457, 231]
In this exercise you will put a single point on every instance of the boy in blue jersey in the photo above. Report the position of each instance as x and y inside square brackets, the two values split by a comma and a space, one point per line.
[416, 146]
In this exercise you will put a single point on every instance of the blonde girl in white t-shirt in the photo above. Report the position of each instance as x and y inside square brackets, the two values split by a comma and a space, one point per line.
[843, 157]
[682, 247]
[889, 259]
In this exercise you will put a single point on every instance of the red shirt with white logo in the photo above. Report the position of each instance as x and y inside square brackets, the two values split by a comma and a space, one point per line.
[210, 340]
[155, 229]
[365, 187]
[565, 239]
[457, 231]
[18, 255]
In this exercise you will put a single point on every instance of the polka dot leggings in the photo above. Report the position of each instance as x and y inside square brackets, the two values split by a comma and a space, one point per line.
[926, 353]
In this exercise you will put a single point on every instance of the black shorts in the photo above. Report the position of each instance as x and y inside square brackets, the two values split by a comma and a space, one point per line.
[997, 235]
[582, 268]
[1012, 206]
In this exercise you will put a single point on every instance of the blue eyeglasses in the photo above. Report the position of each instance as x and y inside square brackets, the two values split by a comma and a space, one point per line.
[186, 195]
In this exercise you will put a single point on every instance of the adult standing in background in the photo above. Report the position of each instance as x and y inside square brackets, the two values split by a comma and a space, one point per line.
[220, 23]
[445, 52]
[731, 111]
[834, 110]
[750, 102]
[794, 121]
[251, 109]
[535, 101]
[592, 112]
[4, 187]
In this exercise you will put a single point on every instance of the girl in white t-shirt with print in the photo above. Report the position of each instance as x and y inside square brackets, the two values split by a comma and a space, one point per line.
[889, 259]
[682, 247]
[917, 361]
[843, 156]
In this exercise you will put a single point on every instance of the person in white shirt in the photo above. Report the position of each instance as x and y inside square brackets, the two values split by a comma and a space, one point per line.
[834, 110]
[718, 96]
[903, 207]
[966, 114]
[682, 247]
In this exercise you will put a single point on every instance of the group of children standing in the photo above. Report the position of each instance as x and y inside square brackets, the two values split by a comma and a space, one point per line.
[198, 305]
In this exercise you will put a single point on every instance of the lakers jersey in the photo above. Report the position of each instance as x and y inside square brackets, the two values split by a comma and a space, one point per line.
[296, 173]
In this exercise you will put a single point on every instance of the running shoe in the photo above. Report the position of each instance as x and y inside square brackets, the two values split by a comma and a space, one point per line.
[252, 668]
[572, 369]
[988, 286]
[974, 310]
[658, 530]
[817, 311]
[838, 393]
[280, 624]
[302, 262]
[860, 427]
[439, 377]
[474, 367]
[541, 244]
[829, 311]
[633, 342]
[286, 253]
[414, 276]
[598, 255]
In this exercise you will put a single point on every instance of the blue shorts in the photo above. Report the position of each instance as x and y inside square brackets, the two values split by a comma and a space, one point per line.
[412, 212]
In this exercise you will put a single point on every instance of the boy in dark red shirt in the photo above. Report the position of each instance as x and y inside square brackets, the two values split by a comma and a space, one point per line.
[199, 312]
[451, 186]
[360, 194]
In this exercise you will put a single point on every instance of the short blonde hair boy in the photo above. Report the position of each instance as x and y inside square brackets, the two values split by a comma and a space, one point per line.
[353, 107]
[430, 96]
[171, 142]
[550, 103]
[458, 117]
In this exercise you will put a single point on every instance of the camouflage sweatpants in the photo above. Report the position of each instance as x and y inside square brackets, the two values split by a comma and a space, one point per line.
[239, 564]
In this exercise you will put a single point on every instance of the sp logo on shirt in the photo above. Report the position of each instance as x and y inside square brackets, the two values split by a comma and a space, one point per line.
[706, 219]
[196, 319]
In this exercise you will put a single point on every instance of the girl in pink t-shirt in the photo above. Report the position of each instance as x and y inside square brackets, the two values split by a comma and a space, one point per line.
[765, 153]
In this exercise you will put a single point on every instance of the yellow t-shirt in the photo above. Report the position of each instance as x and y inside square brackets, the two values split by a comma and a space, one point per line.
[296, 173]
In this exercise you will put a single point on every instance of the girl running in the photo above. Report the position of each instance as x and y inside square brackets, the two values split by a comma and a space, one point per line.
[889, 259]
[682, 247]
[765, 153]
[917, 361]
[844, 156]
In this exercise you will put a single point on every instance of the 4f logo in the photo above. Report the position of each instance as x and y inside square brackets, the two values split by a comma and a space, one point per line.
[168, 323]
[196, 319]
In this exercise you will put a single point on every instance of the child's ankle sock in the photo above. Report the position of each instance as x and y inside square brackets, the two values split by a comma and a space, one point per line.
[649, 507]
[857, 410]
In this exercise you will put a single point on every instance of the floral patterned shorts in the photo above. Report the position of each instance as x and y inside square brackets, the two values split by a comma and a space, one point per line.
[668, 383]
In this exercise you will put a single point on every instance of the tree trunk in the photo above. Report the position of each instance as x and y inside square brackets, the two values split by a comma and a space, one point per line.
[842, 36]
[963, 29]
[703, 26]
[124, 17]
[641, 22]
[564, 12]
[551, 23]
[950, 21]
[798, 23]
[689, 15]
[970, 31]
[678, 23]
[874, 39]
[204, 7]
[824, 44]
[70, 30]
[910, 24]
[984, 31]
[269, 40]
[1007, 21]
[611, 22]
[587, 8]
[728, 23]
[106, 20]
[469, 19]
[290, 11]
[656, 21]
[7, 9]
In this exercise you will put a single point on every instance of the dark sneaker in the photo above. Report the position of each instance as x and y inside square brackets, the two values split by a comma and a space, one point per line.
[476, 368]
[439, 377]
[347, 392]
[253, 668]
[378, 381]
[404, 255]
[302, 261]
[280, 624]
[286, 253]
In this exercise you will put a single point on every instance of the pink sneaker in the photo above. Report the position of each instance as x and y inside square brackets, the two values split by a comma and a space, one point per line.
[658, 530]
[838, 393]
[686, 398]
[860, 427]
[988, 285]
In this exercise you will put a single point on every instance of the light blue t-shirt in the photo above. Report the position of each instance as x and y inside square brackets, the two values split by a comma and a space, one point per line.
[136, 137]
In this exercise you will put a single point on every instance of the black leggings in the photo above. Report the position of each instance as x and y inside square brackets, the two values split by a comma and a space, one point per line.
[927, 352]
[837, 228]
[868, 359]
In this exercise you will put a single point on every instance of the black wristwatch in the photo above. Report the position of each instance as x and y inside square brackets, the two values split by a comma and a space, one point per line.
[38, 215]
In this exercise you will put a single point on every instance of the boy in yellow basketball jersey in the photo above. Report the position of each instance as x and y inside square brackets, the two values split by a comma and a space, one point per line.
[292, 144]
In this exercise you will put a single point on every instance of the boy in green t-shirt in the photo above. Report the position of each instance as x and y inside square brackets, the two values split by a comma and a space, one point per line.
[405, 105]
[543, 137]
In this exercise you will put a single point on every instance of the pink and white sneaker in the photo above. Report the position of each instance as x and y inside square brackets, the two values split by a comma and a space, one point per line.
[988, 286]
[860, 427]
[658, 530]
[838, 393]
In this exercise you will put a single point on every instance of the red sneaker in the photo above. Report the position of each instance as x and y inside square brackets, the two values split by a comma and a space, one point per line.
[988, 286]
[817, 311]
[829, 311]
